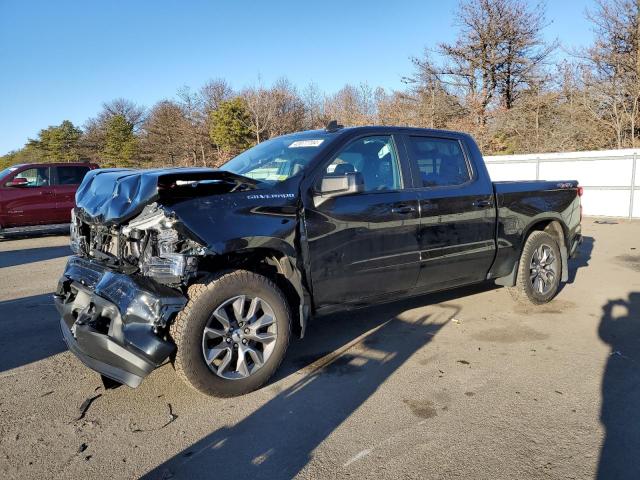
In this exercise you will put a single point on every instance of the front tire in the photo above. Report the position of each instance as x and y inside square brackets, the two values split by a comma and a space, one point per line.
[232, 335]
[539, 270]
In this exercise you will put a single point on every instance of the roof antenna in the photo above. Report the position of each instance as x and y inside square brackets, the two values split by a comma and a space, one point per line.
[333, 126]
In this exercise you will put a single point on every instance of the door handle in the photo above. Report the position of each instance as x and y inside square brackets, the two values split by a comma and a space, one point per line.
[403, 209]
[482, 203]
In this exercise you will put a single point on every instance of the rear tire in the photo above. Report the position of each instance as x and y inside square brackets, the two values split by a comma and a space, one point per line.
[232, 335]
[539, 269]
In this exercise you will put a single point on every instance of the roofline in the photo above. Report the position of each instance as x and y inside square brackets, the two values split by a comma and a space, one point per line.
[397, 128]
[49, 164]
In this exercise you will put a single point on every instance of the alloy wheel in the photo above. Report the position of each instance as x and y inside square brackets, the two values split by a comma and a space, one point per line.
[239, 337]
[543, 269]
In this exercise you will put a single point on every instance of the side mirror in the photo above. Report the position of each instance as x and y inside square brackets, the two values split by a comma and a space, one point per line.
[17, 182]
[339, 185]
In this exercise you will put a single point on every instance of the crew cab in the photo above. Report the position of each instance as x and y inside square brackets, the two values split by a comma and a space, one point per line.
[39, 193]
[215, 269]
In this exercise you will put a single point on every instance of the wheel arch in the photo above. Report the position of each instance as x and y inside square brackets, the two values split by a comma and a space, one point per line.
[274, 263]
[555, 227]
[558, 230]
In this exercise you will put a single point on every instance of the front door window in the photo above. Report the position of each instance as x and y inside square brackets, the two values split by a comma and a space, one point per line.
[375, 157]
[36, 177]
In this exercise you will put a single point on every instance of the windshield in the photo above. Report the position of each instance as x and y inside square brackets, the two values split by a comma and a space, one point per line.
[7, 171]
[278, 159]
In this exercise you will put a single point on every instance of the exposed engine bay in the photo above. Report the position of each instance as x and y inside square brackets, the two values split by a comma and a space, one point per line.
[124, 222]
[152, 243]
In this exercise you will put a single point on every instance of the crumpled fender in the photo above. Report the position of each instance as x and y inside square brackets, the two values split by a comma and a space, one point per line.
[245, 222]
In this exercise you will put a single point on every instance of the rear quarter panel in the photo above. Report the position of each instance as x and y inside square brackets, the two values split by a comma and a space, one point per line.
[522, 205]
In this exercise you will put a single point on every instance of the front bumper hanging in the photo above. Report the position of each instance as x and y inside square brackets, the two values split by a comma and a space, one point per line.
[111, 321]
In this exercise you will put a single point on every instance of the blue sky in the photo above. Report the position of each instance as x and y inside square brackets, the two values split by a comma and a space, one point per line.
[61, 59]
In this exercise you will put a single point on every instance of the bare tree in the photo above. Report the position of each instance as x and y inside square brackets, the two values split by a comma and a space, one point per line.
[352, 105]
[261, 109]
[162, 134]
[313, 100]
[195, 130]
[134, 114]
[215, 92]
[288, 109]
[434, 105]
[396, 108]
[497, 53]
[614, 66]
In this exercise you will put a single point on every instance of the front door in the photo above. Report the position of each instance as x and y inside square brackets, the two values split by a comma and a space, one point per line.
[33, 201]
[364, 245]
[457, 224]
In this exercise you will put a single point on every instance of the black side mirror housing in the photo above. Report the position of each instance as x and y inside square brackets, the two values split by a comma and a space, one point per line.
[339, 185]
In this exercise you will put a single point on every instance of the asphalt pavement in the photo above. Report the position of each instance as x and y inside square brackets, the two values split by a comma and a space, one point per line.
[461, 384]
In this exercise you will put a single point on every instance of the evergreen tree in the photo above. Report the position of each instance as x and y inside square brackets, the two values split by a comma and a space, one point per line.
[57, 143]
[121, 145]
[230, 130]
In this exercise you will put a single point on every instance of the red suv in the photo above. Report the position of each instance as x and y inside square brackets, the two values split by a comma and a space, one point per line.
[39, 193]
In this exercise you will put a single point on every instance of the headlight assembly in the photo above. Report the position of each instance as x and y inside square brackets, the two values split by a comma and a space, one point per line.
[170, 268]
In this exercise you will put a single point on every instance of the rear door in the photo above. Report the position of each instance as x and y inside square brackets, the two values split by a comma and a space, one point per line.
[364, 246]
[457, 214]
[33, 202]
[67, 178]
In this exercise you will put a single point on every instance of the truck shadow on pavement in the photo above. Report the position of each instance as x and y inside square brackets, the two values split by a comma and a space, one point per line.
[582, 259]
[344, 360]
[620, 413]
[13, 258]
[29, 331]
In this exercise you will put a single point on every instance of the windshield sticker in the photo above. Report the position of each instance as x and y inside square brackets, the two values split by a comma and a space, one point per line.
[306, 143]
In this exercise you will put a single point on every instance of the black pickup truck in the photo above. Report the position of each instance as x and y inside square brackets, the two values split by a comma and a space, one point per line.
[215, 270]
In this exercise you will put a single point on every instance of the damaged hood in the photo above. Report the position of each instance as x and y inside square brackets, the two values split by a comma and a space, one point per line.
[113, 196]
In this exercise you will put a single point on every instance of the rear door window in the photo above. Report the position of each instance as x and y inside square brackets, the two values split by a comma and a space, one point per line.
[441, 161]
[71, 175]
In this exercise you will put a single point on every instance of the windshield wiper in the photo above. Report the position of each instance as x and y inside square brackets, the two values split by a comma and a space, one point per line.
[229, 178]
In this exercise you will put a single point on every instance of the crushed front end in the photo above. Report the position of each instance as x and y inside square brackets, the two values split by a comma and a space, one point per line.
[134, 258]
[113, 322]
[122, 288]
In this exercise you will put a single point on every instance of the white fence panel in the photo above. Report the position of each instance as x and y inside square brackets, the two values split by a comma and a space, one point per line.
[590, 173]
[508, 171]
[606, 203]
[610, 178]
